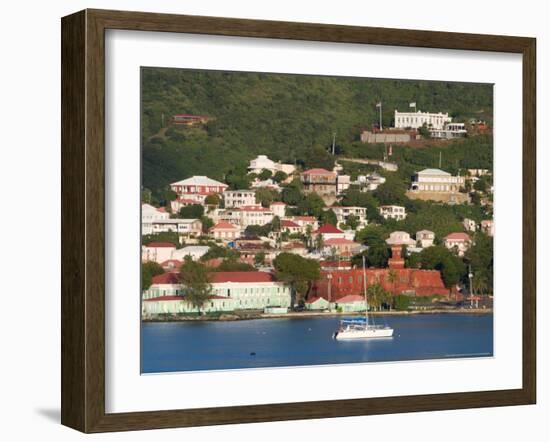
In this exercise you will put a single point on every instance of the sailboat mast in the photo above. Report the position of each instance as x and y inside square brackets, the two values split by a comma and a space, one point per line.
[365, 290]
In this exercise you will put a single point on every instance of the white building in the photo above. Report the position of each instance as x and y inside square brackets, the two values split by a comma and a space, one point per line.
[255, 216]
[157, 251]
[230, 291]
[238, 198]
[415, 120]
[458, 242]
[449, 131]
[393, 212]
[469, 224]
[194, 252]
[278, 208]
[400, 238]
[342, 184]
[436, 180]
[262, 162]
[197, 188]
[149, 214]
[425, 238]
[225, 231]
[343, 213]
[488, 227]
[184, 227]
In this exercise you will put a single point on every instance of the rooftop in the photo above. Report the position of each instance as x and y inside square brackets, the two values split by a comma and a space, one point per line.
[434, 172]
[221, 277]
[328, 228]
[224, 225]
[159, 244]
[198, 180]
[318, 171]
[166, 278]
[458, 236]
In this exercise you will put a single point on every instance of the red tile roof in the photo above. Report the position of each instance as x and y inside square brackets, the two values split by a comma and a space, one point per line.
[350, 298]
[458, 236]
[318, 171]
[165, 298]
[288, 223]
[167, 278]
[220, 277]
[338, 241]
[158, 244]
[224, 225]
[328, 228]
[314, 299]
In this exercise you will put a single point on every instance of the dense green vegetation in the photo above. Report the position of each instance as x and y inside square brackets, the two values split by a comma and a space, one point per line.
[287, 117]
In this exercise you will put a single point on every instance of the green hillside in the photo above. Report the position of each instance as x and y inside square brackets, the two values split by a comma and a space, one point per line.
[287, 117]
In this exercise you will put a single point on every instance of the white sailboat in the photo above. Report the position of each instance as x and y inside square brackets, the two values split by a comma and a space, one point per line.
[362, 328]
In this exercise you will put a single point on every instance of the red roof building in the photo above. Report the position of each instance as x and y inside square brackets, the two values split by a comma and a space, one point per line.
[327, 228]
[171, 278]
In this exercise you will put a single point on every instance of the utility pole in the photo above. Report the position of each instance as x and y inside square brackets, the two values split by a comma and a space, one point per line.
[333, 142]
[440, 159]
[470, 278]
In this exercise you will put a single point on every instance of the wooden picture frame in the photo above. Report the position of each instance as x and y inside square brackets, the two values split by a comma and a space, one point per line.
[83, 220]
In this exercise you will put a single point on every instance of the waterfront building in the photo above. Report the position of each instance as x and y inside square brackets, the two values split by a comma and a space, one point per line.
[393, 212]
[344, 212]
[350, 303]
[399, 238]
[149, 214]
[488, 227]
[425, 238]
[316, 303]
[197, 188]
[230, 291]
[262, 162]
[238, 198]
[184, 227]
[438, 185]
[335, 283]
[157, 251]
[415, 120]
[225, 231]
[459, 242]
[322, 182]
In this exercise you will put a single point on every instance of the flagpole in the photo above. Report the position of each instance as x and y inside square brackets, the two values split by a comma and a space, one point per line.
[380, 115]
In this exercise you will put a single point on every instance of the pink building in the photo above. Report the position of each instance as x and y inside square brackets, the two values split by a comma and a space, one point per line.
[157, 251]
[197, 188]
[225, 231]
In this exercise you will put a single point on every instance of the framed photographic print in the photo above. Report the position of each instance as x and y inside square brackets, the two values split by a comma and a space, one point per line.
[268, 221]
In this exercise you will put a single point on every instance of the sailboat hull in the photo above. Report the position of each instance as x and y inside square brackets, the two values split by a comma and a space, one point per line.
[369, 333]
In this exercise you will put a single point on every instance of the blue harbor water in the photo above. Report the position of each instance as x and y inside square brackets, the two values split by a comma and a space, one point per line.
[217, 345]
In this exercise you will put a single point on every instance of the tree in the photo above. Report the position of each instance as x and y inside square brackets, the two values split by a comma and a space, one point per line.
[207, 223]
[194, 277]
[298, 272]
[292, 192]
[424, 131]
[401, 302]
[378, 255]
[233, 265]
[172, 237]
[265, 196]
[191, 211]
[148, 270]
[376, 296]
[352, 222]
[276, 224]
[265, 174]
[212, 200]
[392, 191]
[279, 176]
[480, 257]
[329, 217]
[392, 278]
[312, 205]
[259, 259]
[440, 258]
[318, 157]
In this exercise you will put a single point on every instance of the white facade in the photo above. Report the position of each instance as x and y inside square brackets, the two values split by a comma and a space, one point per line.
[157, 252]
[400, 238]
[425, 238]
[436, 180]
[278, 209]
[184, 227]
[194, 252]
[262, 162]
[458, 242]
[238, 198]
[343, 213]
[255, 216]
[469, 224]
[149, 214]
[393, 212]
[488, 227]
[415, 120]
[451, 130]
[254, 294]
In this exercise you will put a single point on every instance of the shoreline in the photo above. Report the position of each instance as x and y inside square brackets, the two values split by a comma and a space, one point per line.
[302, 315]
